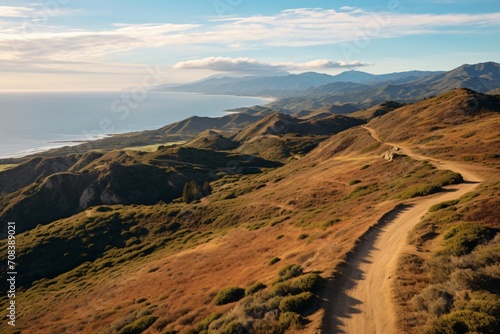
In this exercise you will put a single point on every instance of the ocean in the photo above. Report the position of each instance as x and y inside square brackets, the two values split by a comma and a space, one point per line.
[34, 122]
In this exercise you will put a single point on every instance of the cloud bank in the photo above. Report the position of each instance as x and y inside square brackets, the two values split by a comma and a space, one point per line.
[251, 65]
[12, 11]
[39, 43]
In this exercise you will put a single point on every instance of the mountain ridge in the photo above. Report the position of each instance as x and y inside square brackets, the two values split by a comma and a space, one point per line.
[287, 84]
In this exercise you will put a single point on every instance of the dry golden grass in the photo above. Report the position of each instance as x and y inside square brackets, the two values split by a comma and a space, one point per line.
[5, 167]
[459, 125]
[230, 237]
[412, 278]
[154, 147]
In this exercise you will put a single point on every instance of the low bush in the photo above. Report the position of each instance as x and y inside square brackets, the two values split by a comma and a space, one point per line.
[420, 190]
[139, 325]
[282, 289]
[291, 320]
[274, 260]
[434, 300]
[205, 323]
[448, 177]
[480, 301]
[463, 322]
[289, 271]
[362, 191]
[229, 295]
[234, 327]
[463, 238]
[309, 282]
[443, 205]
[254, 288]
[298, 303]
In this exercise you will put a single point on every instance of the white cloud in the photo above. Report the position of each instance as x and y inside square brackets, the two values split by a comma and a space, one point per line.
[254, 66]
[11, 11]
[37, 43]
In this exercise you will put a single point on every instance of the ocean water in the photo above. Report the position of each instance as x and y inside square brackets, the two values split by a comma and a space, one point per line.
[33, 122]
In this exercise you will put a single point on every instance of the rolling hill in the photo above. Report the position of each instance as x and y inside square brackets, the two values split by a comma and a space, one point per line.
[201, 237]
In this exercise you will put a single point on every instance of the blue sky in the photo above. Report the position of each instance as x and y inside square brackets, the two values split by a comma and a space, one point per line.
[112, 44]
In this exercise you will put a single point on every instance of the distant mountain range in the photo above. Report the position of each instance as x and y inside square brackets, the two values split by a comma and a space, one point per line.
[288, 85]
[483, 78]
[310, 90]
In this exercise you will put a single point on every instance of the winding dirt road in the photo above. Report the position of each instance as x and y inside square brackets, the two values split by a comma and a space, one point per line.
[361, 300]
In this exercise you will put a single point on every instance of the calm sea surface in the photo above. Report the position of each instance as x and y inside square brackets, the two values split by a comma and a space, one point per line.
[32, 122]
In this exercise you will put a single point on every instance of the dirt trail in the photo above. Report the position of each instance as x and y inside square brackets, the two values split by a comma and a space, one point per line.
[360, 302]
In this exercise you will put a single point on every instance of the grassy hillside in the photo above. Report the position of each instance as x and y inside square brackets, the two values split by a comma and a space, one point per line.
[252, 252]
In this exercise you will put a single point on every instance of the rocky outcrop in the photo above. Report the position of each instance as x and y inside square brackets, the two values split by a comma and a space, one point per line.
[393, 153]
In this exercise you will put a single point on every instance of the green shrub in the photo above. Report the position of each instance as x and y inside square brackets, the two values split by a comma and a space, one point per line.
[463, 322]
[234, 327]
[443, 205]
[274, 260]
[434, 300]
[298, 303]
[254, 288]
[480, 301]
[205, 323]
[291, 320]
[282, 289]
[468, 197]
[420, 190]
[354, 182]
[448, 177]
[303, 236]
[463, 238]
[362, 191]
[309, 282]
[229, 295]
[139, 325]
[289, 271]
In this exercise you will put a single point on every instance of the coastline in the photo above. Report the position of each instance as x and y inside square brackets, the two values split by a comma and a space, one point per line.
[76, 141]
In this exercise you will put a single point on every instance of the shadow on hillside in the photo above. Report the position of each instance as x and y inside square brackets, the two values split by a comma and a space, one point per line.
[337, 303]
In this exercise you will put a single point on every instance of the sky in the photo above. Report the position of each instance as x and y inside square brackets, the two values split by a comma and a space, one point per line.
[96, 45]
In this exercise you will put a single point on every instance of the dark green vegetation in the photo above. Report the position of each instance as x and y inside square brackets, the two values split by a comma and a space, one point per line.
[455, 288]
[119, 177]
[229, 295]
[139, 325]
[273, 309]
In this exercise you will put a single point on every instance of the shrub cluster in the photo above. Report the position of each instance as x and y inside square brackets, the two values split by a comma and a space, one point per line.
[463, 296]
[229, 295]
[260, 309]
[139, 326]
